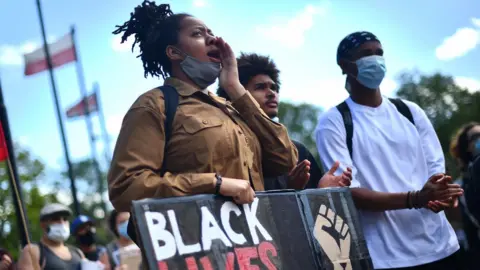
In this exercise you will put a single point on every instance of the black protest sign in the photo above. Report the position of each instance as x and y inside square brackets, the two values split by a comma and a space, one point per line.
[208, 232]
[332, 219]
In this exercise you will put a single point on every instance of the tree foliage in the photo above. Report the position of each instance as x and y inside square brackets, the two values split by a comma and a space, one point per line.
[92, 203]
[37, 193]
[31, 171]
[300, 121]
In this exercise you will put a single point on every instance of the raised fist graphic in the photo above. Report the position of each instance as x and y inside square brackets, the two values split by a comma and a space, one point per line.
[333, 235]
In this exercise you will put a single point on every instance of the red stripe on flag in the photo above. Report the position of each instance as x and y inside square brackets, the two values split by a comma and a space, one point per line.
[78, 109]
[59, 59]
[3, 145]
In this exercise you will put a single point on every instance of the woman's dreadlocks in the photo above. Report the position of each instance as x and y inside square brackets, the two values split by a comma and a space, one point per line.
[155, 27]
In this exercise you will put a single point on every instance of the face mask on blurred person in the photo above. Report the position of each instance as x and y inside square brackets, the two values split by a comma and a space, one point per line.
[123, 229]
[476, 148]
[58, 232]
[87, 239]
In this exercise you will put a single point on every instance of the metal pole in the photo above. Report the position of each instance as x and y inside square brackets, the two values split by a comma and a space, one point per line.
[88, 120]
[71, 175]
[103, 125]
[15, 184]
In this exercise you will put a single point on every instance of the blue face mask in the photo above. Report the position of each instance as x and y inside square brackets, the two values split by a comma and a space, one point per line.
[371, 71]
[476, 148]
[123, 229]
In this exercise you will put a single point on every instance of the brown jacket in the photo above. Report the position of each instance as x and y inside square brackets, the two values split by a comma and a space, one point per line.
[204, 141]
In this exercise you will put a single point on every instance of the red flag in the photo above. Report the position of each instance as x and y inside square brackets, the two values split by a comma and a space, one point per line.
[3, 145]
[61, 52]
[79, 109]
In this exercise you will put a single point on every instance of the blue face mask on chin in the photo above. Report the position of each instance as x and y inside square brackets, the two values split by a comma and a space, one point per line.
[123, 229]
[371, 71]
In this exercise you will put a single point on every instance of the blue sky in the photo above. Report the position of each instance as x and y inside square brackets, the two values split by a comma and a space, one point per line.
[301, 36]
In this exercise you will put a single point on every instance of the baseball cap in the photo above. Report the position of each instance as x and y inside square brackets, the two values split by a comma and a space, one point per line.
[54, 209]
[79, 221]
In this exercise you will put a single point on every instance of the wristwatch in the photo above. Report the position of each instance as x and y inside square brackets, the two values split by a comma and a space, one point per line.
[218, 184]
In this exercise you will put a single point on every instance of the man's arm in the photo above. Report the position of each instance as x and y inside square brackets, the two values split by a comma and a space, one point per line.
[279, 154]
[330, 136]
[430, 143]
[138, 158]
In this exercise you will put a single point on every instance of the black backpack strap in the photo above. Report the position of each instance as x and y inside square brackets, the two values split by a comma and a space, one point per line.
[171, 98]
[403, 109]
[170, 95]
[348, 122]
[41, 255]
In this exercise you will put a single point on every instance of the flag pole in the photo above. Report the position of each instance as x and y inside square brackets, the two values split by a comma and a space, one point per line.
[88, 119]
[71, 174]
[103, 125]
[15, 184]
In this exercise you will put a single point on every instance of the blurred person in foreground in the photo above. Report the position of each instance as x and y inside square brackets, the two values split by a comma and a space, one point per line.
[261, 77]
[85, 233]
[465, 148]
[215, 147]
[399, 182]
[118, 223]
[6, 260]
[51, 252]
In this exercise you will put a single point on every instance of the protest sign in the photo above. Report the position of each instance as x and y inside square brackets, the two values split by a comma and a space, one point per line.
[276, 231]
[332, 219]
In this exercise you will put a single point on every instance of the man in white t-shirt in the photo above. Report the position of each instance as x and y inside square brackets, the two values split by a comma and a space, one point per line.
[399, 183]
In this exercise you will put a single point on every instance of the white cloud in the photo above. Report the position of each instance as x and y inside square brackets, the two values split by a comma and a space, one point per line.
[122, 47]
[476, 22]
[471, 84]
[114, 123]
[292, 33]
[199, 3]
[459, 44]
[12, 55]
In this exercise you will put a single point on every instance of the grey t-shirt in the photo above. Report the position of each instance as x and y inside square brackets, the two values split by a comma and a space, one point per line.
[53, 262]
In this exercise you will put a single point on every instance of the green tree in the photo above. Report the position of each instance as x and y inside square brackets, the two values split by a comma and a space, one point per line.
[447, 105]
[92, 203]
[300, 121]
[31, 171]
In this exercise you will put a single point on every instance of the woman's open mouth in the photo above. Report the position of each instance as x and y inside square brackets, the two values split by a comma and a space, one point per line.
[214, 56]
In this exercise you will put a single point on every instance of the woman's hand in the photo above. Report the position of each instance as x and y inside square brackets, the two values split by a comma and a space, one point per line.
[229, 75]
[239, 190]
